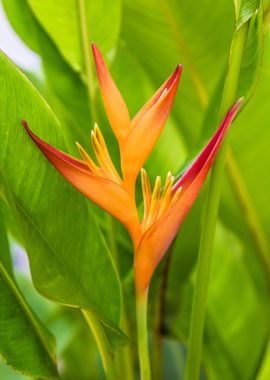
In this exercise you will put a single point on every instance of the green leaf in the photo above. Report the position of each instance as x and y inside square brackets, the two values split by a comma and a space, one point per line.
[165, 33]
[230, 336]
[244, 10]
[66, 92]
[253, 54]
[69, 260]
[233, 310]
[4, 246]
[250, 140]
[23, 22]
[103, 24]
[25, 343]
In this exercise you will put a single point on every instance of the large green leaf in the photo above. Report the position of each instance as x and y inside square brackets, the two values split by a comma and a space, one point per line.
[26, 28]
[164, 33]
[66, 92]
[244, 10]
[25, 343]
[103, 19]
[250, 140]
[233, 310]
[69, 260]
[230, 336]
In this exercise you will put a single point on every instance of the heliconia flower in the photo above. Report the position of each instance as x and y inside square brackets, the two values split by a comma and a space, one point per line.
[164, 209]
[145, 128]
[101, 183]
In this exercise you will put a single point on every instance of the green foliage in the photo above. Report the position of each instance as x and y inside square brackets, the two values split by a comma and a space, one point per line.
[65, 28]
[69, 258]
[25, 343]
[63, 269]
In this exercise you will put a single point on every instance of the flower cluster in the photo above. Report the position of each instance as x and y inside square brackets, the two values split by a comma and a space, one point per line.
[164, 208]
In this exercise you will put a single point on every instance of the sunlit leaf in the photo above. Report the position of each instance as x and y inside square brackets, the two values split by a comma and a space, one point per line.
[103, 18]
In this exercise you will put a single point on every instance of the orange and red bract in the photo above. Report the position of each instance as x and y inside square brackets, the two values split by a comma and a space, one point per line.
[164, 210]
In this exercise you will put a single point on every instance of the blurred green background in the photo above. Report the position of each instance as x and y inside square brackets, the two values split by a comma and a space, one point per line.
[143, 41]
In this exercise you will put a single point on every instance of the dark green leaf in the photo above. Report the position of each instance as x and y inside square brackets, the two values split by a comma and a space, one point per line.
[25, 343]
[76, 271]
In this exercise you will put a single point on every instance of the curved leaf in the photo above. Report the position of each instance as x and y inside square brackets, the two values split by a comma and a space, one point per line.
[25, 343]
[77, 271]
[103, 18]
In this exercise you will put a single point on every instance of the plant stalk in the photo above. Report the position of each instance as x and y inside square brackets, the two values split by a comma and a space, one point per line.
[141, 313]
[123, 357]
[103, 344]
[89, 72]
[97, 329]
[210, 214]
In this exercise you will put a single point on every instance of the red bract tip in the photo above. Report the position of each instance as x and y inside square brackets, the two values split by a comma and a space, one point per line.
[158, 237]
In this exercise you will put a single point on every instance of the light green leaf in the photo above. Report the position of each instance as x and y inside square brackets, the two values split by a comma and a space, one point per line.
[23, 22]
[233, 310]
[253, 54]
[69, 260]
[244, 10]
[61, 21]
[165, 33]
[250, 141]
[65, 91]
[25, 343]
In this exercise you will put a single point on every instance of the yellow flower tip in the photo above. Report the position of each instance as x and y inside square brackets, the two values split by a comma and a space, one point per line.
[157, 203]
[176, 195]
[103, 156]
[88, 160]
[146, 190]
[151, 201]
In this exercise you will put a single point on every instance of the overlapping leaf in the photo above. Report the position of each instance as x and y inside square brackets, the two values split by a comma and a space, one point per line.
[25, 343]
[103, 18]
[69, 260]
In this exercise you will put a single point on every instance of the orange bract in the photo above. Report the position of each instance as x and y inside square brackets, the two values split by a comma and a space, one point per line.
[164, 210]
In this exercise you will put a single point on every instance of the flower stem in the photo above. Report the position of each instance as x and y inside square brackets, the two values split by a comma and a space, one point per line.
[87, 60]
[123, 357]
[102, 343]
[141, 312]
[210, 215]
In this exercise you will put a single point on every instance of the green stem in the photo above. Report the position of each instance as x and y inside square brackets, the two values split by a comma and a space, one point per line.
[97, 329]
[102, 343]
[123, 357]
[87, 60]
[126, 354]
[159, 316]
[210, 215]
[157, 357]
[141, 312]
